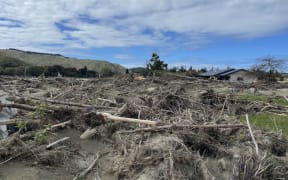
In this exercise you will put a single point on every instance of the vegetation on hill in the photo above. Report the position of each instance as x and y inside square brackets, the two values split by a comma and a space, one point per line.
[10, 62]
[15, 67]
[45, 59]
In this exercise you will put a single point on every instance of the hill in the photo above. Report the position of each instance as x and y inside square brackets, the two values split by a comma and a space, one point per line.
[10, 62]
[46, 59]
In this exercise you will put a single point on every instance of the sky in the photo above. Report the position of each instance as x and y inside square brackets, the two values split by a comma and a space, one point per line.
[197, 33]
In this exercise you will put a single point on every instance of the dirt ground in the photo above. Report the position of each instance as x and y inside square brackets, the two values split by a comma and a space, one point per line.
[191, 129]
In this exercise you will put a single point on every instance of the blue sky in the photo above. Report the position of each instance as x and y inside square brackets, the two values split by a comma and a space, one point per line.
[201, 33]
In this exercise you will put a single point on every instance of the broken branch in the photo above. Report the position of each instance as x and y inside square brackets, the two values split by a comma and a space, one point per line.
[181, 127]
[107, 100]
[56, 142]
[88, 133]
[23, 106]
[124, 119]
[86, 171]
[252, 135]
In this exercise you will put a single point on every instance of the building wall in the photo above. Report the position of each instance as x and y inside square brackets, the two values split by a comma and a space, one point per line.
[243, 76]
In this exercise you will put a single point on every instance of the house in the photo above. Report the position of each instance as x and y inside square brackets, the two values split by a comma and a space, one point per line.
[232, 75]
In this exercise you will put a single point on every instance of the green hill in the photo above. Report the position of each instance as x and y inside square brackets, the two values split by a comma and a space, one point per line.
[10, 62]
[45, 59]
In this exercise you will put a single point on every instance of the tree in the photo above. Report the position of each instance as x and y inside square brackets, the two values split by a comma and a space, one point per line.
[156, 64]
[190, 68]
[269, 67]
[174, 69]
[35, 70]
[107, 71]
[202, 70]
[71, 72]
[54, 70]
[83, 71]
[182, 69]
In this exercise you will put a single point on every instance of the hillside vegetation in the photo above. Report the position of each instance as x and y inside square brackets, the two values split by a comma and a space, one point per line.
[45, 59]
[10, 62]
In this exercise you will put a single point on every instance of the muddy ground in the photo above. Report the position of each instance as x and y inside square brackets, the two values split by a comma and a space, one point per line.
[197, 132]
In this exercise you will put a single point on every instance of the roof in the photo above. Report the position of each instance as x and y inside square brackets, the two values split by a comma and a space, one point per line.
[231, 72]
[220, 73]
[215, 72]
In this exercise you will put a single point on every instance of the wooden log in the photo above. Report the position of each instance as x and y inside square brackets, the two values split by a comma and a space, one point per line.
[86, 171]
[181, 127]
[6, 122]
[252, 135]
[107, 100]
[14, 121]
[124, 119]
[122, 109]
[88, 133]
[57, 142]
[18, 106]
[64, 93]
[63, 124]
[72, 104]
[23, 106]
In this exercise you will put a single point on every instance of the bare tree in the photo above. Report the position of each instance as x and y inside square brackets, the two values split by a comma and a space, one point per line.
[269, 67]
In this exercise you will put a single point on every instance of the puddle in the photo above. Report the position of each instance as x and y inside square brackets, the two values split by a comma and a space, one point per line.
[93, 146]
[89, 145]
[18, 171]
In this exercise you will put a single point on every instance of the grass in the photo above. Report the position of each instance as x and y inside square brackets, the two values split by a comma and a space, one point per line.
[269, 121]
[264, 98]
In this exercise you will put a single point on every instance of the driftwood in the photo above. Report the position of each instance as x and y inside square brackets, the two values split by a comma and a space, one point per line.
[86, 171]
[18, 106]
[24, 107]
[181, 127]
[6, 122]
[105, 115]
[107, 100]
[252, 135]
[63, 124]
[14, 121]
[57, 142]
[124, 119]
[285, 98]
[122, 109]
[64, 93]
[71, 104]
[20, 141]
[10, 159]
[88, 133]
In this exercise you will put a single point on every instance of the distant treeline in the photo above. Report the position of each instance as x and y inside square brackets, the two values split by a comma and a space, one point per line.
[15, 67]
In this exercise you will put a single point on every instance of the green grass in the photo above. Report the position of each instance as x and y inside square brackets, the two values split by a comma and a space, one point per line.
[269, 121]
[264, 98]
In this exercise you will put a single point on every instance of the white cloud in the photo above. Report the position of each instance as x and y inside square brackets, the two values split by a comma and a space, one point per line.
[123, 56]
[133, 65]
[126, 23]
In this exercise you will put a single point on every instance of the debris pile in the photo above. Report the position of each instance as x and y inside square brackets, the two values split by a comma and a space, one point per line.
[150, 129]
